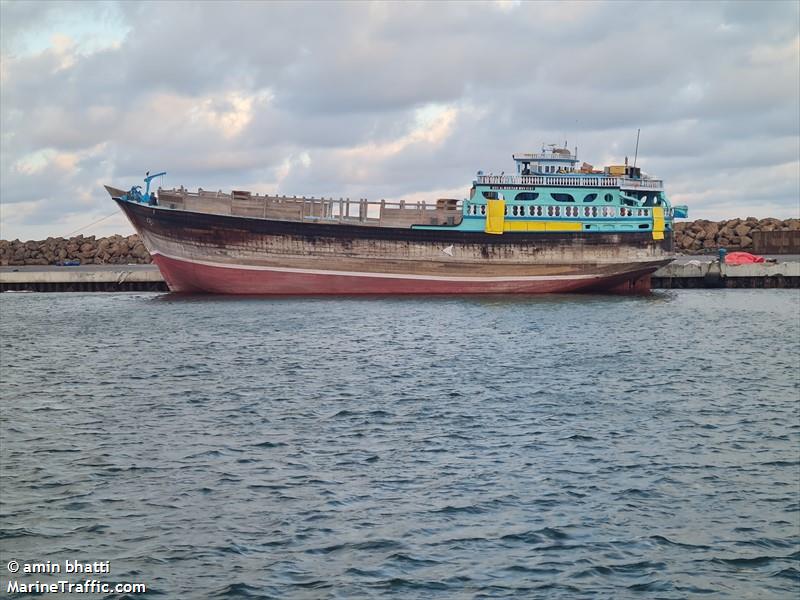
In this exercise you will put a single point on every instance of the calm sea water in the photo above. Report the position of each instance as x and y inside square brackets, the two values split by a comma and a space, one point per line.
[553, 447]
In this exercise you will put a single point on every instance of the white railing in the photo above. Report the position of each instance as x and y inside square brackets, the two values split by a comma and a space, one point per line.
[548, 156]
[546, 180]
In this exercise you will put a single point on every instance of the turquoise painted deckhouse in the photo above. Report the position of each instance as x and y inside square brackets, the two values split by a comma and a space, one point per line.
[551, 193]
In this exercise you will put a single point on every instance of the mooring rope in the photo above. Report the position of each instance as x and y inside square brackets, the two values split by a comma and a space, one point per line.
[93, 223]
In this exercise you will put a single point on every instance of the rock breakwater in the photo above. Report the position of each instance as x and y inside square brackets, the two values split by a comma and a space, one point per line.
[695, 237]
[115, 249]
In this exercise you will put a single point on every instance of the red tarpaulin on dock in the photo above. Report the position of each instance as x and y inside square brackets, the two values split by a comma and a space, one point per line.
[742, 258]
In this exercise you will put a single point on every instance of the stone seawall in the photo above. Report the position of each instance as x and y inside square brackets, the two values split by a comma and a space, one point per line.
[112, 250]
[693, 237]
[701, 236]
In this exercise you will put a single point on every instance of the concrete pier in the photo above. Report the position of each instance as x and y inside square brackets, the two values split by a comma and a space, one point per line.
[704, 272]
[686, 272]
[90, 278]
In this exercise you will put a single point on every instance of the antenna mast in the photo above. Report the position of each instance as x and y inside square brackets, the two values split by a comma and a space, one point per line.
[636, 154]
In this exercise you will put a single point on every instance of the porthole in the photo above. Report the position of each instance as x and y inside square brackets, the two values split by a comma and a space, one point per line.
[609, 198]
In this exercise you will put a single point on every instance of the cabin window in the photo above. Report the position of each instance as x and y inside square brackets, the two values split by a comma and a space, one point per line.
[526, 196]
[490, 195]
[644, 226]
[590, 197]
[609, 198]
[563, 197]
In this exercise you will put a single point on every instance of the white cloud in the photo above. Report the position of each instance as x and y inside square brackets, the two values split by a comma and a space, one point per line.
[390, 100]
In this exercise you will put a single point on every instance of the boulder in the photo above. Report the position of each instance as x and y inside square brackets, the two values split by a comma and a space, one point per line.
[712, 229]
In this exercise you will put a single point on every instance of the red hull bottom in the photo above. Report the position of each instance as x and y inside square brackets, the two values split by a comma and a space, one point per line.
[192, 277]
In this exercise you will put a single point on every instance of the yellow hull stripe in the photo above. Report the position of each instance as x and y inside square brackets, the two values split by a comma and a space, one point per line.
[542, 226]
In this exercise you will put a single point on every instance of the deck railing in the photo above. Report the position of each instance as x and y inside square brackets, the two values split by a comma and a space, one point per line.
[548, 156]
[300, 208]
[574, 181]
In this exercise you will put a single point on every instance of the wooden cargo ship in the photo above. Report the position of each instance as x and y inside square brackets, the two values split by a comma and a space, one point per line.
[551, 227]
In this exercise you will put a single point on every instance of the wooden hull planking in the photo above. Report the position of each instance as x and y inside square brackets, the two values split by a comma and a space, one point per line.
[207, 253]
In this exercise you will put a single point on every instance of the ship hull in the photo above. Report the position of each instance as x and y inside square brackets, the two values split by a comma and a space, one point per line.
[190, 276]
[208, 253]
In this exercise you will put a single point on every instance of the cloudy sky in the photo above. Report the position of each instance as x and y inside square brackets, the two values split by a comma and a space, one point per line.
[390, 100]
